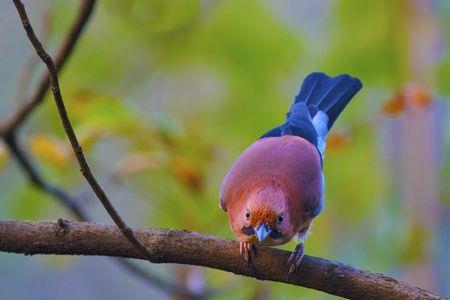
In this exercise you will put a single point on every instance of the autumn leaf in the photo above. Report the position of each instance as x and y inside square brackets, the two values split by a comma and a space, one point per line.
[51, 150]
[417, 97]
[394, 105]
[337, 141]
[410, 97]
[187, 173]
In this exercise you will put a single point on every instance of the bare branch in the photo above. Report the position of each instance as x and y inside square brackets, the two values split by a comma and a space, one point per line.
[72, 37]
[84, 167]
[184, 247]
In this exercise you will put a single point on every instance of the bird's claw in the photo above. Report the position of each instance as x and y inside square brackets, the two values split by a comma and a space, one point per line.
[295, 259]
[248, 253]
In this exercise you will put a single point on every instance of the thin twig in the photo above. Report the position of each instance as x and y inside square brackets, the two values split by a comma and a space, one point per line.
[84, 166]
[82, 17]
[184, 247]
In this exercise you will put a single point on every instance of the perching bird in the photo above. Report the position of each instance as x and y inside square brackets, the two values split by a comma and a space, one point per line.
[275, 188]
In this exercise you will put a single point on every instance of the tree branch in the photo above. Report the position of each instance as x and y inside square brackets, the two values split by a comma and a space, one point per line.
[72, 37]
[84, 167]
[184, 247]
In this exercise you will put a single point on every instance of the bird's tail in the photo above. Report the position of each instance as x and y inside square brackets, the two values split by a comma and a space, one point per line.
[319, 103]
[327, 94]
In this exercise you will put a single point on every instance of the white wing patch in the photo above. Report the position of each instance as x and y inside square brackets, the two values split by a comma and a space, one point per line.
[320, 122]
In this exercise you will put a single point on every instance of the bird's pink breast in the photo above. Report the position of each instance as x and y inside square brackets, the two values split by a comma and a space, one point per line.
[289, 159]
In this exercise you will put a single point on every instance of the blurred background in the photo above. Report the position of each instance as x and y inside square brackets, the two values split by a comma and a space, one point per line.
[165, 94]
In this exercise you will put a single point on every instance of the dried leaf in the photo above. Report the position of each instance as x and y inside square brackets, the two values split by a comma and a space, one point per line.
[410, 97]
[395, 105]
[417, 97]
[337, 141]
[50, 150]
[188, 173]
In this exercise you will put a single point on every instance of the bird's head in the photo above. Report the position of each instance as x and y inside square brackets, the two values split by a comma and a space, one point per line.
[265, 217]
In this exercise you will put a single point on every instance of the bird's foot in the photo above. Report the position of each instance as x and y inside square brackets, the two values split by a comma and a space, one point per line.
[295, 259]
[248, 254]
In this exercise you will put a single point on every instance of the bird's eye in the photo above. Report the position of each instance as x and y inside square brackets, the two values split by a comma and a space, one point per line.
[247, 215]
[280, 219]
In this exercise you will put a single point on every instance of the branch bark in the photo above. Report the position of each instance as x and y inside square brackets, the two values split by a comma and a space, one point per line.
[185, 247]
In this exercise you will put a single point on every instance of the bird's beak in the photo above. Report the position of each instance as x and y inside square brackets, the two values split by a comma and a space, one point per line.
[262, 232]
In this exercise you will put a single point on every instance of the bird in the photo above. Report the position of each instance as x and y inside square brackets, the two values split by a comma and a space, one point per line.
[275, 188]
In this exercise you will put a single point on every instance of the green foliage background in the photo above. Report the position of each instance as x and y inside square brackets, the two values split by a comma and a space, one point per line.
[166, 94]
